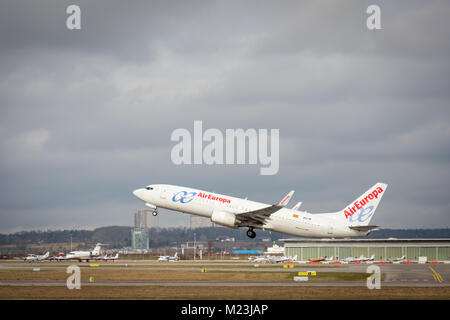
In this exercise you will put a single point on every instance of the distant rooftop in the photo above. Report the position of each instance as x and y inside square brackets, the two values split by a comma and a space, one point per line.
[391, 240]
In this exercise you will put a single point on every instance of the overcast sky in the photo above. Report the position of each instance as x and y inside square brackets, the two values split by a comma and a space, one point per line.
[86, 115]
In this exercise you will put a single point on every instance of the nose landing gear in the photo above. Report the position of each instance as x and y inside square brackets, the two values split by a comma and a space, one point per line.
[250, 233]
[153, 208]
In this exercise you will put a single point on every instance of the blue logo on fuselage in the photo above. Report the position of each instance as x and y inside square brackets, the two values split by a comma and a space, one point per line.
[184, 196]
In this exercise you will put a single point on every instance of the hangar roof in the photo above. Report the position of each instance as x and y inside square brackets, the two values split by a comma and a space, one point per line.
[392, 241]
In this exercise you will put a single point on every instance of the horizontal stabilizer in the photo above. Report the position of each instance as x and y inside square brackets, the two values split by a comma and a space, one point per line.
[363, 228]
[297, 206]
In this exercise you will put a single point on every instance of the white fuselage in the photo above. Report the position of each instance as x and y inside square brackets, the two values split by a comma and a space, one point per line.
[33, 257]
[203, 203]
[79, 255]
[84, 255]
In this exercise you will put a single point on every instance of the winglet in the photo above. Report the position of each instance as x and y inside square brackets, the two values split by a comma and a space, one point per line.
[286, 199]
[297, 206]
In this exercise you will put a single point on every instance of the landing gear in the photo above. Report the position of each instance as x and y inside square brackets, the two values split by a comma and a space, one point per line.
[250, 233]
[153, 207]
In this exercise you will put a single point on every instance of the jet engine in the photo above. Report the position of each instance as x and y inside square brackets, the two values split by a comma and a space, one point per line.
[224, 218]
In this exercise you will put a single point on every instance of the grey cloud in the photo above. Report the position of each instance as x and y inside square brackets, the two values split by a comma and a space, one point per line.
[86, 116]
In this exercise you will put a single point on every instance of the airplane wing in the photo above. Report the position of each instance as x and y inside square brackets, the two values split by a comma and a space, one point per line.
[363, 228]
[258, 217]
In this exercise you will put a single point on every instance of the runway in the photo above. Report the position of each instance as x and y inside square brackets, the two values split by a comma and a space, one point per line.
[227, 284]
[414, 275]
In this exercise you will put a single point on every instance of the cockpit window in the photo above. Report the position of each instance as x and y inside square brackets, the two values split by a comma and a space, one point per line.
[149, 188]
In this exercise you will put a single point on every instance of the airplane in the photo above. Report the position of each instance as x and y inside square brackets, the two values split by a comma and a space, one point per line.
[368, 259]
[169, 258]
[234, 212]
[34, 257]
[84, 255]
[351, 259]
[358, 260]
[328, 260]
[397, 260]
[272, 259]
[284, 259]
[101, 257]
[58, 258]
[261, 259]
[324, 259]
[112, 258]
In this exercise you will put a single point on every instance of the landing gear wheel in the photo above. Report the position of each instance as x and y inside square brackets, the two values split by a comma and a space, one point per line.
[155, 213]
[250, 233]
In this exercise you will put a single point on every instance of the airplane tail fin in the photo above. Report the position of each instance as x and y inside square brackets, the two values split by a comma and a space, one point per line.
[361, 211]
[97, 249]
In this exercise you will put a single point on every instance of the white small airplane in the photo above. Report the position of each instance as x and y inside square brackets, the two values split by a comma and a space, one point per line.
[272, 259]
[58, 258]
[101, 257]
[84, 255]
[259, 259]
[360, 259]
[372, 257]
[397, 260]
[233, 212]
[351, 259]
[169, 258]
[284, 259]
[112, 258]
[34, 257]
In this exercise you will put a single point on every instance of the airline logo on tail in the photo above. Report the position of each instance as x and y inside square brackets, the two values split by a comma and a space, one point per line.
[364, 213]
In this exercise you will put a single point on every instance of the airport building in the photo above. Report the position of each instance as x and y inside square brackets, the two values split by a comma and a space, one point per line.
[140, 239]
[140, 219]
[200, 222]
[140, 234]
[145, 219]
[433, 249]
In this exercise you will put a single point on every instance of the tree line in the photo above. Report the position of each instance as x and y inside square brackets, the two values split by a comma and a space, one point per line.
[120, 236]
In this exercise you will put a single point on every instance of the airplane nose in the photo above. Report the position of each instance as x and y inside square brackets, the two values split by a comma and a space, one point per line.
[138, 193]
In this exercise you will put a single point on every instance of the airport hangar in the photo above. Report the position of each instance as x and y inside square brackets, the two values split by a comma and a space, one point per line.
[304, 249]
